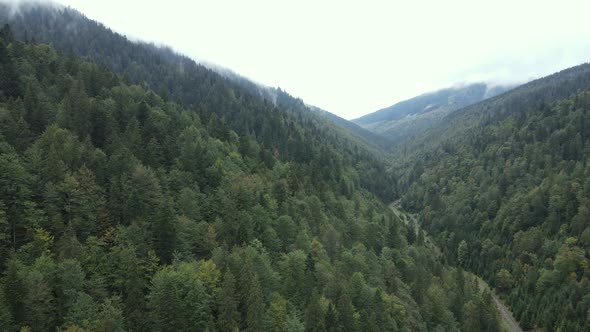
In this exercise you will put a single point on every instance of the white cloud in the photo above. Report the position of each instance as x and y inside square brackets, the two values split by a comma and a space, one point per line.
[354, 57]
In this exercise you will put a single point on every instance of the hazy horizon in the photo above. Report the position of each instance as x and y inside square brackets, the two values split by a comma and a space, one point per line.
[354, 59]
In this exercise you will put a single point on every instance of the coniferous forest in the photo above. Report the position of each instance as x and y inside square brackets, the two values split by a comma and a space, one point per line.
[142, 191]
[506, 195]
[124, 210]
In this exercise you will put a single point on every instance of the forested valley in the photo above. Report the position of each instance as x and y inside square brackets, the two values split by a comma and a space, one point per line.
[505, 192]
[143, 191]
[200, 204]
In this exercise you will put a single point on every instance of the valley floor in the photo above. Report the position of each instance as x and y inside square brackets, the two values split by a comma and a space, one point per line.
[508, 321]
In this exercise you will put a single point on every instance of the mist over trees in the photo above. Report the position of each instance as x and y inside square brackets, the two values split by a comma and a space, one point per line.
[141, 191]
[121, 209]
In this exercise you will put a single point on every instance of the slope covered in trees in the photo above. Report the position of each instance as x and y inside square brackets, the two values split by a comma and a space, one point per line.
[503, 187]
[410, 118]
[245, 107]
[370, 137]
[122, 210]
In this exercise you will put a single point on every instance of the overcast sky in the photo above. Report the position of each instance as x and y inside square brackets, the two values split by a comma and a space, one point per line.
[354, 57]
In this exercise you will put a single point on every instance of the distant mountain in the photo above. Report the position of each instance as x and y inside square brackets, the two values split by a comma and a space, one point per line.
[408, 118]
[160, 68]
[370, 137]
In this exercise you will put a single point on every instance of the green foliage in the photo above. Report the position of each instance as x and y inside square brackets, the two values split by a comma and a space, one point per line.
[462, 253]
[178, 300]
[504, 280]
[409, 118]
[228, 316]
[121, 210]
[503, 186]
[6, 319]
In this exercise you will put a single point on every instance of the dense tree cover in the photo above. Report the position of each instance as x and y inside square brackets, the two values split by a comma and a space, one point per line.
[120, 210]
[376, 140]
[507, 192]
[410, 118]
[234, 102]
[462, 125]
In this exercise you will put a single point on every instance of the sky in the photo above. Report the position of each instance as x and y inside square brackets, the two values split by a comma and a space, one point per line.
[355, 57]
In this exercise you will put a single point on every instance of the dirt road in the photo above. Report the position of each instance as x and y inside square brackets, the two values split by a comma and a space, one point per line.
[509, 323]
[410, 219]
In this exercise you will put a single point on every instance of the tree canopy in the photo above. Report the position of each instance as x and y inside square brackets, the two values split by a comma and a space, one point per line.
[121, 209]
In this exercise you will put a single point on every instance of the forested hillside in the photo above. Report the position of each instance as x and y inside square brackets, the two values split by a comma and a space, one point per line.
[370, 137]
[237, 103]
[124, 210]
[504, 188]
[142, 191]
[410, 118]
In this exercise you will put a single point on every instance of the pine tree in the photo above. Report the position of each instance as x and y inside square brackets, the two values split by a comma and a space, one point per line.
[153, 156]
[6, 320]
[88, 202]
[10, 83]
[228, 316]
[15, 290]
[178, 300]
[278, 312]
[164, 228]
[346, 312]
[5, 238]
[316, 316]
[74, 113]
[332, 319]
[254, 304]
[36, 116]
[16, 196]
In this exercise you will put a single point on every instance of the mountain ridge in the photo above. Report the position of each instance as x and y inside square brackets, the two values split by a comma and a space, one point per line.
[410, 117]
[372, 138]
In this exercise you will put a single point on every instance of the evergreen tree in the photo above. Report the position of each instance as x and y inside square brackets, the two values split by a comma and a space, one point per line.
[178, 300]
[254, 303]
[228, 317]
[316, 314]
[278, 312]
[116, 206]
[6, 320]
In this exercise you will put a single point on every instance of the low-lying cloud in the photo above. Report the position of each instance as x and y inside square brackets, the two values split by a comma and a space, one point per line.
[352, 58]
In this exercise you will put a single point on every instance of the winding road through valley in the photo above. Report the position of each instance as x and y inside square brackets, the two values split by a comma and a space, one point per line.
[510, 324]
